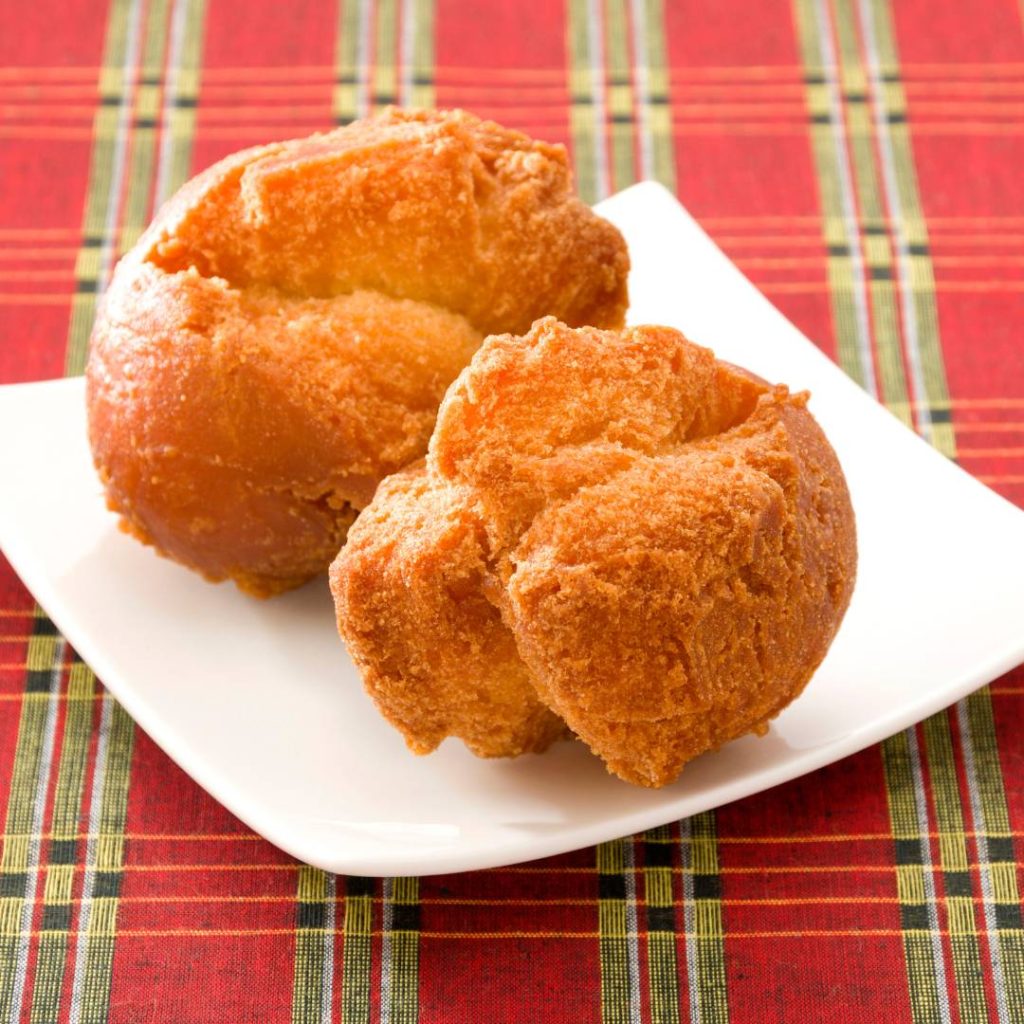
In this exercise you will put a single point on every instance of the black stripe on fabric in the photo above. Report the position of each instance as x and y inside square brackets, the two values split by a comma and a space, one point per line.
[896, 118]
[63, 851]
[611, 887]
[185, 101]
[84, 287]
[37, 681]
[661, 919]
[107, 885]
[940, 416]
[914, 917]
[917, 249]
[56, 918]
[881, 273]
[958, 883]
[839, 250]
[110, 101]
[658, 855]
[908, 851]
[42, 626]
[814, 79]
[358, 885]
[13, 883]
[405, 917]
[311, 915]
[385, 97]
[92, 242]
[152, 79]
[820, 118]
[856, 97]
[145, 122]
[1008, 916]
[707, 887]
[342, 121]
[622, 118]
[1000, 848]
[874, 229]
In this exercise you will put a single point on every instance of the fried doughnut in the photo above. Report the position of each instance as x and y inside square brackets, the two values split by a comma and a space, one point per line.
[279, 339]
[668, 540]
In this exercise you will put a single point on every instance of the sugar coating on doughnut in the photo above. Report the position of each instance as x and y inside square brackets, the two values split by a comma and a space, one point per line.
[668, 541]
[280, 338]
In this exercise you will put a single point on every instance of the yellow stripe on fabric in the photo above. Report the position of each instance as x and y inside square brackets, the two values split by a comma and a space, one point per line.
[357, 931]
[620, 94]
[312, 894]
[64, 846]
[953, 856]
[709, 933]
[871, 211]
[45, 650]
[145, 118]
[918, 951]
[346, 62]
[112, 86]
[657, 109]
[582, 87]
[1001, 860]
[385, 73]
[421, 92]
[659, 897]
[890, 94]
[852, 347]
[613, 931]
[108, 860]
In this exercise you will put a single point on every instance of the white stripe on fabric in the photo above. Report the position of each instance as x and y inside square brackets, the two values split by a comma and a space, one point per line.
[38, 811]
[846, 194]
[892, 195]
[96, 790]
[928, 873]
[984, 859]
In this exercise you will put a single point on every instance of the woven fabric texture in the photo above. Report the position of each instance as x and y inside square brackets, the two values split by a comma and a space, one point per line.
[861, 161]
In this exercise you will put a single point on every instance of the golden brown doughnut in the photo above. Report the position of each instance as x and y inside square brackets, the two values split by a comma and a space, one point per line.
[279, 339]
[668, 539]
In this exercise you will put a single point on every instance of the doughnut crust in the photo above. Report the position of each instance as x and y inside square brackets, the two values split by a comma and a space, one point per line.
[279, 339]
[668, 541]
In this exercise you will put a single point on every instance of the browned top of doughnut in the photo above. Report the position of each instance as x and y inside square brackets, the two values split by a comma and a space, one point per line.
[438, 206]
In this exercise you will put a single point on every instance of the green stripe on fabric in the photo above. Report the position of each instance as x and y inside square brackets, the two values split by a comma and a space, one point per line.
[953, 856]
[112, 87]
[400, 954]
[1001, 867]
[613, 930]
[105, 868]
[620, 95]
[918, 952]
[357, 932]
[662, 924]
[835, 227]
[64, 847]
[24, 803]
[581, 115]
[917, 254]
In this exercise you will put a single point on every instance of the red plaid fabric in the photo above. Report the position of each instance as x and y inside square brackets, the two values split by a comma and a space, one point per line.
[860, 160]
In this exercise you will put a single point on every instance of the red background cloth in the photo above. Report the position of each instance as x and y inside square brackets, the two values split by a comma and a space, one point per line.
[847, 155]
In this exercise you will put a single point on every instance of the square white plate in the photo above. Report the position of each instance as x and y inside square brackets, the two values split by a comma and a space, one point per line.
[260, 704]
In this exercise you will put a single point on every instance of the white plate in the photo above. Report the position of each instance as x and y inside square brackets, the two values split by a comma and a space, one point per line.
[259, 703]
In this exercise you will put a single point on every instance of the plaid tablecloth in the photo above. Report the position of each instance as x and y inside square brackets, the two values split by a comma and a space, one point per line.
[861, 161]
